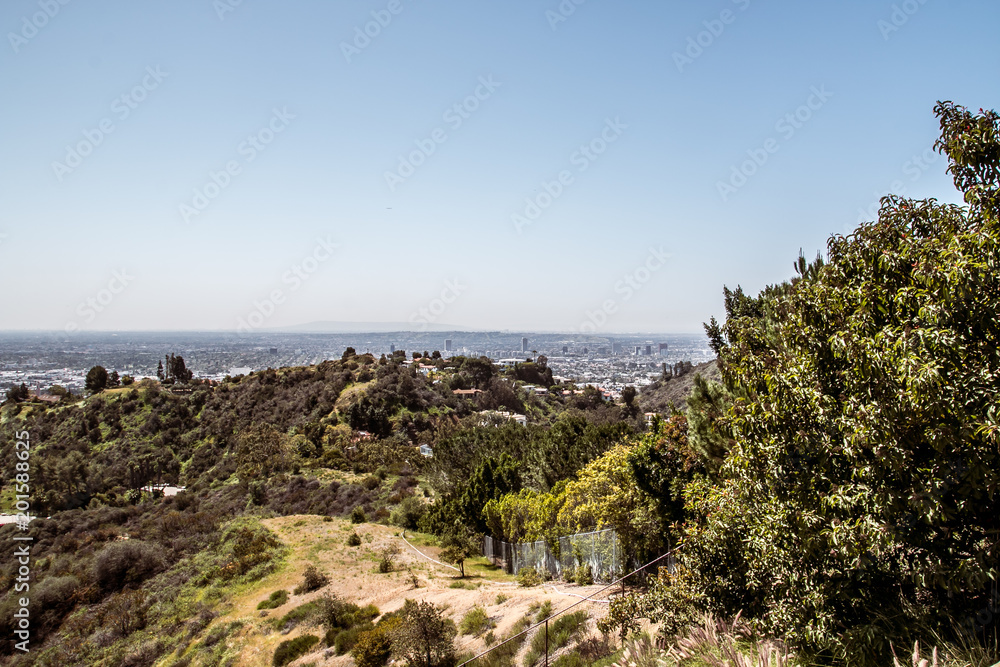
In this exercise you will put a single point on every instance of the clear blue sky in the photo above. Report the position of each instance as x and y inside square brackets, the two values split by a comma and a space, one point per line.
[339, 117]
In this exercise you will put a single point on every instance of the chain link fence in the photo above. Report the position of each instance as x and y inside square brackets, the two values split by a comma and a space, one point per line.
[560, 557]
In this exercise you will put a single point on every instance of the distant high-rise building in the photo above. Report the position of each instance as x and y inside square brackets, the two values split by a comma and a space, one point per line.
[565, 349]
[447, 345]
[273, 350]
[649, 350]
[663, 348]
[524, 345]
[585, 350]
[602, 350]
[616, 348]
[638, 350]
[392, 348]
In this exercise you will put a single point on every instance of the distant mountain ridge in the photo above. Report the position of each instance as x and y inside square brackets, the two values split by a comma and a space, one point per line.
[365, 327]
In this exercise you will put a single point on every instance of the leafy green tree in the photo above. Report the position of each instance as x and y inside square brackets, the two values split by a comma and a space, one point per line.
[860, 496]
[534, 372]
[708, 405]
[628, 398]
[526, 516]
[97, 379]
[492, 479]
[663, 464]
[17, 393]
[260, 451]
[374, 647]
[423, 637]
[460, 544]
[366, 415]
[178, 371]
[605, 495]
[480, 370]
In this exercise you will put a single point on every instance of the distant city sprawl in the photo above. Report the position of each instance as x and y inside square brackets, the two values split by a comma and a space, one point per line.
[42, 360]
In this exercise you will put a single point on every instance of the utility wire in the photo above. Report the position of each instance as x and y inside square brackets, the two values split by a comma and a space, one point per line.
[564, 610]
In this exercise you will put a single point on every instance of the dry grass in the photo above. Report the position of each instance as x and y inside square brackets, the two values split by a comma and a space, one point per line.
[353, 576]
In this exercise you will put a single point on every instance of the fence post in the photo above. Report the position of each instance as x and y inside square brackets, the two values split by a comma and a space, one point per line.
[546, 642]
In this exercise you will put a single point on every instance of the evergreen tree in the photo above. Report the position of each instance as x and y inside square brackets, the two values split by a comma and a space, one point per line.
[97, 379]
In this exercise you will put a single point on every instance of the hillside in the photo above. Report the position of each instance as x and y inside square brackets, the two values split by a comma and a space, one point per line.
[124, 576]
[665, 396]
[252, 635]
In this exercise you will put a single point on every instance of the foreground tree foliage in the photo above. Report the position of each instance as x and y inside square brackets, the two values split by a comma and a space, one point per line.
[423, 637]
[858, 502]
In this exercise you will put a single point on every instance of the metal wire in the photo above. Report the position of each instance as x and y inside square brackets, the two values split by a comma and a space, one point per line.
[575, 604]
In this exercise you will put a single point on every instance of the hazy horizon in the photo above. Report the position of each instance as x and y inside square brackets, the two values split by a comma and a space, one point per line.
[293, 330]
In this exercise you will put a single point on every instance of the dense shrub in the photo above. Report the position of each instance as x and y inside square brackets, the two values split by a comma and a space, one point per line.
[343, 641]
[475, 622]
[528, 576]
[561, 631]
[276, 599]
[309, 611]
[408, 513]
[126, 563]
[373, 648]
[291, 649]
[145, 655]
[387, 558]
[251, 551]
[336, 612]
[312, 580]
